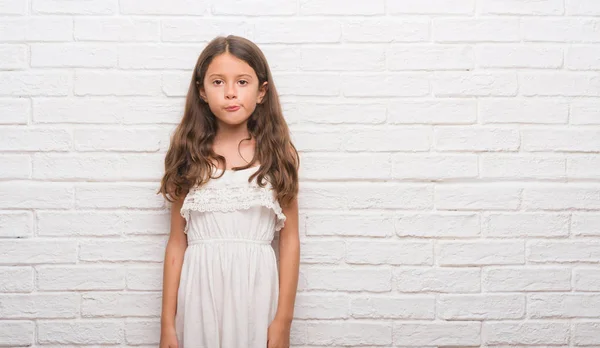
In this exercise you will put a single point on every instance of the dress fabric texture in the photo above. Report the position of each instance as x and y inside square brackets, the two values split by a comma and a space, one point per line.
[229, 283]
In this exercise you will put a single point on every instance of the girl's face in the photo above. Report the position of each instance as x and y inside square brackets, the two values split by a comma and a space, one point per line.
[231, 89]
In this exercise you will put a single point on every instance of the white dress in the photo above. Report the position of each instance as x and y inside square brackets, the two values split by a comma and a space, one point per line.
[229, 286]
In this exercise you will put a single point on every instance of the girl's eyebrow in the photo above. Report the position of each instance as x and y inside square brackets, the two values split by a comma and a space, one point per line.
[240, 75]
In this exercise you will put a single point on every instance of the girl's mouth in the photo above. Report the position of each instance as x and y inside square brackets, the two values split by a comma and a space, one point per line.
[232, 108]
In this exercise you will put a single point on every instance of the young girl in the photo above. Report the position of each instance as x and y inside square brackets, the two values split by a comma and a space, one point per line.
[231, 173]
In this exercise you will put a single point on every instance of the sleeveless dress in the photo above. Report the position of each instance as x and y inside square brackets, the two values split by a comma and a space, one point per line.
[229, 285]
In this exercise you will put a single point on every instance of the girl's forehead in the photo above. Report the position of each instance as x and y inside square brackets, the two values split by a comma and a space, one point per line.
[229, 65]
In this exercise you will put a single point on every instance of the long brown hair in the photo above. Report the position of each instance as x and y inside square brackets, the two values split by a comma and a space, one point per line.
[189, 160]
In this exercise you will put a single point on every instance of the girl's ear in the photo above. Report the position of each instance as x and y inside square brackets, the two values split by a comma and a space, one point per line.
[201, 91]
[262, 91]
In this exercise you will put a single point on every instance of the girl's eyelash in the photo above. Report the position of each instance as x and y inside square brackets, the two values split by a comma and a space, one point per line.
[245, 82]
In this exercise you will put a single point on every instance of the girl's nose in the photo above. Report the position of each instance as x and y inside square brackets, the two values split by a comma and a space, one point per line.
[230, 92]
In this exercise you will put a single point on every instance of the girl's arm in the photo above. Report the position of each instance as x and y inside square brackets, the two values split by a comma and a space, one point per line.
[289, 263]
[173, 263]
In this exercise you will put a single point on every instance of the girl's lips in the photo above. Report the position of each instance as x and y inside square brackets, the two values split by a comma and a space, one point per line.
[232, 108]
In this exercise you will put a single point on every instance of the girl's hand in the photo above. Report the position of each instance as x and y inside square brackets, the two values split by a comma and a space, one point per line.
[278, 335]
[168, 338]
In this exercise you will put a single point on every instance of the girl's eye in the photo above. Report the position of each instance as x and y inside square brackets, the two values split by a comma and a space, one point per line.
[243, 82]
[216, 82]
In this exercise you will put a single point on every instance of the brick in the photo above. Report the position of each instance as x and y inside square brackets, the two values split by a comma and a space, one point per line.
[35, 195]
[561, 197]
[193, 30]
[564, 251]
[583, 7]
[437, 225]
[442, 280]
[477, 197]
[134, 140]
[507, 279]
[113, 250]
[15, 110]
[158, 57]
[342, 7]
[437, 333]
[303, 84]
[572, 30]
[334, 112]
[37, 251]
[434, 167]
[322, 252]
[159, 7]
[107, 110]
[73, 55]
[388, 252]
[364, 196]
[522, 166]
[480, 253]
[588, 140]
[526, 224]
[585, 333]
[349, 225]
[395, 139]
[35, 83]
[583, 58]
[520, 7]
[80, 278]
[105, 83]
[519, 56]
[430, 57]
[445, 7]
[89, 7]
[120, 304]
[385, 85]
[36, 28]
[255, 7]
[322, 306]
[584, 112]
[526, 333]
[563, 84]
[13, 7]
[15, 167]
[524, 111]
[346, 58]
[81, 332]
[475, 84]
[393, 307]
[14, 57]
[373, 279]
[16, 279]
[385, 29]
[348, 333]
[139, 196]
[563, 306]
[101, 223]
[17, 332]
[116, 29]
[584, 224]
[433, 111]
[583, 166]
[586, 279]
[145, 278]
[480, 307]
[476, 30]
[297, 31]
[40, 306]
[139, 332]
[17, 224]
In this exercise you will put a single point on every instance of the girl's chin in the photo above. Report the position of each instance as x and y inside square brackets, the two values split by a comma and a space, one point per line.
[233, 120]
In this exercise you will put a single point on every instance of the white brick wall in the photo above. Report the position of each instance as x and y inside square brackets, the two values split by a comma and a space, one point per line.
[450, 190]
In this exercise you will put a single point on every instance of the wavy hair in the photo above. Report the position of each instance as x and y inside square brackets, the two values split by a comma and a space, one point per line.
[189, 159]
